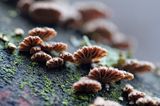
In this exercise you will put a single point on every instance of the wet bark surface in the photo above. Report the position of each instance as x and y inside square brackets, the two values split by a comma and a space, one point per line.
[25, 83]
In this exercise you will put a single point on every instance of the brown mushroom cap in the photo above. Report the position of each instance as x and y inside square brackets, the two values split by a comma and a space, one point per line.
[107, 75]
[29, 42]
[41, 57]
[44, 33]
[86, 85]
[89, 54]
[54, 62]
[58, 47]
[135, 66]
[46, 12]
[35, 49]
[92, 10]
[66, 56]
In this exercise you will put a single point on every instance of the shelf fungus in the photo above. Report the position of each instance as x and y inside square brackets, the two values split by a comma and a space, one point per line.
[41, 57]
[89, 54]
[139, 98]
[54, 62]
[107, 75]
[135, 66]
[44, 33]
[99, 101]
[30, 42]
[135, 95]
[148, 101]
[35, 49]
[58, 47]
[86, 85]
[66, 56]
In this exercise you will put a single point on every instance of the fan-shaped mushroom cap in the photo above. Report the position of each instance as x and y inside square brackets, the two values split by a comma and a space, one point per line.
[35, 49]
[89, 54]
[135, 66]
[40, 57]
[107, 75]
[58, 47]
[44, 33]
[54, 62]
[66, 56]
[86, 85]
[29, 42]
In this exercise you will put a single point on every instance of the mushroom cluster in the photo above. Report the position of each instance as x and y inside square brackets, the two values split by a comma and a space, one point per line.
[40, 50]
[54, 54]
[89, 17]
[101, 75]
[139, 98]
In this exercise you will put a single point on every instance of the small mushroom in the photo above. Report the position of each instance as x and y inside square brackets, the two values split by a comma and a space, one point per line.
[11, 47]
[86, 85]
[54, 62]
[89, 54]
[66, 56]
[127, 89]
[92, 10]
[135, 95]
[135, 66]
[44, 33]
[100, 30]
[148, 101]
[58, 47]
[35, 49]
[107, 75]
[45, 12]
[41, 57]
[99, 101]
[19, 31]
[29, 42]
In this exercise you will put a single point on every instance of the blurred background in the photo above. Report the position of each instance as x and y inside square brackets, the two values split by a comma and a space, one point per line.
[140, 21]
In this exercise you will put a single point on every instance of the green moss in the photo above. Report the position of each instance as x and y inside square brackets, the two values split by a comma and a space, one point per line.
[115, 92]
[65, 102]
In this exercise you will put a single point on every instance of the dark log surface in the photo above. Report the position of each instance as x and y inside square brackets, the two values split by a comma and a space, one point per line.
[28, 83]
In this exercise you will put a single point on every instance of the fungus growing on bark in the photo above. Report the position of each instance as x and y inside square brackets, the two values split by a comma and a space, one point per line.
[148, 101]
[54, 62]
[30, 42]
[41, 57]
[89, 54]
[66, 56]
[58, 47]
[107, 75]
[135, 66]
[44, 33]
[35, 49]
[86, 85]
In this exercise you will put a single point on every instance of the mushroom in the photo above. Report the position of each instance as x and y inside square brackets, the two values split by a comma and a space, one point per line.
[44, 33]
[107, 75]
[58, 47]
[29, 42]
[135, 66]
[41, 57]
[89, 54]
[86, 85]
[54, 62]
